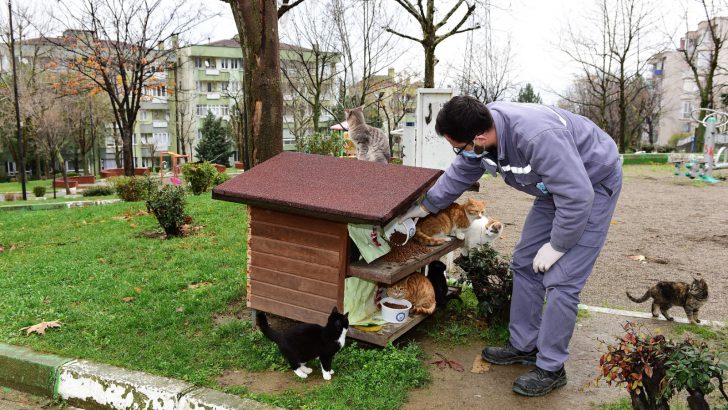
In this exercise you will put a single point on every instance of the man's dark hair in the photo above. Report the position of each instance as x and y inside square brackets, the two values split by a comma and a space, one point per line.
[462, 118]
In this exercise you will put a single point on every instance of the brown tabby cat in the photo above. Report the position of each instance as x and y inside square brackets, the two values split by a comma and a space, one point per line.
[668, 294]
[434, 229]
[417, 289]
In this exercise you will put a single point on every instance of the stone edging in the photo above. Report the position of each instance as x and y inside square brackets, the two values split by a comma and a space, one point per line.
[91, 385]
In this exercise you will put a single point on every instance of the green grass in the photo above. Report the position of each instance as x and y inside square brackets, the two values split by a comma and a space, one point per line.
[17, 187]
[76, 266]
[700, 332]
[626, 404]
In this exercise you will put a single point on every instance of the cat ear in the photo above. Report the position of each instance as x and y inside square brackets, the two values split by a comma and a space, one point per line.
[334, 310]
[346, 314]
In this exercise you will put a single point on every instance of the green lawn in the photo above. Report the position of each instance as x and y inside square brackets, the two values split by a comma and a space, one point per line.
[77, 265]
[17, 187]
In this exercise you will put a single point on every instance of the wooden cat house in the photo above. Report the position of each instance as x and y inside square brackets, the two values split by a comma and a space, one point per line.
[299, 206]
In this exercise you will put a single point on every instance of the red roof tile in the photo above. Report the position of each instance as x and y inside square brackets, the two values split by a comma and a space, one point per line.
[338, 189]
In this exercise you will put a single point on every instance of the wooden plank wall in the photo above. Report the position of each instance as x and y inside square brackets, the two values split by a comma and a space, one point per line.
[297, 265]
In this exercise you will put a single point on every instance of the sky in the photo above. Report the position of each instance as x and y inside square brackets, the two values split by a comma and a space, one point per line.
[535, 29]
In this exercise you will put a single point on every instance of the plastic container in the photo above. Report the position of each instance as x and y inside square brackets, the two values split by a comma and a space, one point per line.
[393, 315]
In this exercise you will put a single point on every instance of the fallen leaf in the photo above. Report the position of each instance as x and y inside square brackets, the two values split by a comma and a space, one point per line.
[128, 299]
[41, 327]
[138, 290]
[479, 365]
[180, 309]
[453, 364]
[102, 260]
[614, 222]
[132, 225]
[637, 257]
[46, 301]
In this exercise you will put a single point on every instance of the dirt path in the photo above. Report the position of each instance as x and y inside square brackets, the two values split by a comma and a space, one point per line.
[681, 229]
[492, 389]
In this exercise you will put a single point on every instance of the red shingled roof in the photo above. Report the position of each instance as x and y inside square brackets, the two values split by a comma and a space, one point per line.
[339, 189]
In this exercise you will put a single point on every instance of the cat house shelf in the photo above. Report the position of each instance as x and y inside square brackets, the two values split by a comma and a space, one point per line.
[388, 333]
[299, 206]
[392, 272]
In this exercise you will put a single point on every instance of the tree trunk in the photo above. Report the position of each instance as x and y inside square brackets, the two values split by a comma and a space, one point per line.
[429, 65]
[59, 157]
[127, 147]
[622, 116]
[257, 22]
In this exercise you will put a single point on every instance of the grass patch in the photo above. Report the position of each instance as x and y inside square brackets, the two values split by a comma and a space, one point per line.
[457, 323]
[582, 314]
[702, 332]
[17, 186]
[77, 266]
[625, 404]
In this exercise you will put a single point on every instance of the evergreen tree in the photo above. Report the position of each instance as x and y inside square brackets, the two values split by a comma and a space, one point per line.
[526, 95]
[215, 144]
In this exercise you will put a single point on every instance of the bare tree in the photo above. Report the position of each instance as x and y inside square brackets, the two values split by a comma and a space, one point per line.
[611, 64]
[257, 23]
[486, 73]
[119, 46]
[310, 60]
[397, 100]
[430, 39]
[365, 45]
[701, 50]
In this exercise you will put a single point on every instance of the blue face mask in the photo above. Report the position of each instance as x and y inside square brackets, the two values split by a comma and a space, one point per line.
[473, 155]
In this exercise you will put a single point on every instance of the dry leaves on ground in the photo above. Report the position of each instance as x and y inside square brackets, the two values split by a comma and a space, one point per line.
[129, 215]
[40, 328]
[639, 258]
[479, 365]
[444, 363]
[198, 285]
[128, 299]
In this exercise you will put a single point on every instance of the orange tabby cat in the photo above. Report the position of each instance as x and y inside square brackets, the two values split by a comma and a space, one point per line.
[417, 289]
[434, 229]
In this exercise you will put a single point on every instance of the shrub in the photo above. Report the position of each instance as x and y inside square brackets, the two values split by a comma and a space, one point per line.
[39, 191]
[10, 197]
[199, 176]
[132, 189]
[322, 144]
[492, 281]
[674, 138]
[219, 178]
[98, 190]
[653, 369]
[168, 206]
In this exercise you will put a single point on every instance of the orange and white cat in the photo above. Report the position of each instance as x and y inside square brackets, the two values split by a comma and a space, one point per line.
[417, 289]
[435, 229]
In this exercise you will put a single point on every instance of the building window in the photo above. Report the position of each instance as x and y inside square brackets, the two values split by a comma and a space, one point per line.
[686, 109]
[234, 63]
[224, 110]
[224, 63]
[686, 127]
[198, 62]
[209, 86]
[210, 63]
[202, 110]
[143, 115]
[225, 86]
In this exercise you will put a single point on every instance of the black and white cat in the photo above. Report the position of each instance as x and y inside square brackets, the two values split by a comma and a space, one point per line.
[305, 342]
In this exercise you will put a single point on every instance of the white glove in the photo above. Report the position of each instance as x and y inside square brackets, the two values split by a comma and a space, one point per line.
[415, 212]
[545, 258]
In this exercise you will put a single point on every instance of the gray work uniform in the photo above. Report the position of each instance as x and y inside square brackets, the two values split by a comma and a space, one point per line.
[572, 167]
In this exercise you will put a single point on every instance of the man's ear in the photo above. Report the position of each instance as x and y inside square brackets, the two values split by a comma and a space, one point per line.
[481, 139]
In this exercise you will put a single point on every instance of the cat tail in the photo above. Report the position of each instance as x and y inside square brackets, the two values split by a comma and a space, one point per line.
[423, 309]
[639, 300]
[264, 327]
[425, 239]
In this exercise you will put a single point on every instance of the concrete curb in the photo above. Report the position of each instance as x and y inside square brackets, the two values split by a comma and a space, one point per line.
[645, 315]
[91, 385]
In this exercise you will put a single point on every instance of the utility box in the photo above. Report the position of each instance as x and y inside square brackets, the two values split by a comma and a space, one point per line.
[424, 148]
[299, 208]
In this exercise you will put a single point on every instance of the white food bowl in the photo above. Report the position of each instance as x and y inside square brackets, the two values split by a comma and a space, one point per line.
[395, 315]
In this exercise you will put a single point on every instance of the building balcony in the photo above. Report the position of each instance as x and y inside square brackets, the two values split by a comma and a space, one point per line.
[212, 71]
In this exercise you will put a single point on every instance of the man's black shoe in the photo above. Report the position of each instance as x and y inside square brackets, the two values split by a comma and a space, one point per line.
[509, 355]
[539, 382]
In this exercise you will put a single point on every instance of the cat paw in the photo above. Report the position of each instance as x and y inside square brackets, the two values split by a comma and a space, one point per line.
[327, 376]
[332, 371]
[460, 235]
[306, 370]
[448, 239]
[696, 321]
[300, 373]
[671, 319]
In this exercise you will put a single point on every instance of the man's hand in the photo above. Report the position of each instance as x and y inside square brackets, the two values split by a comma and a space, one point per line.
[415, 212]
[545, 258]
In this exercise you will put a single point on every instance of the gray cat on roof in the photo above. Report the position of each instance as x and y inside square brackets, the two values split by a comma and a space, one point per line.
[372, 143]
